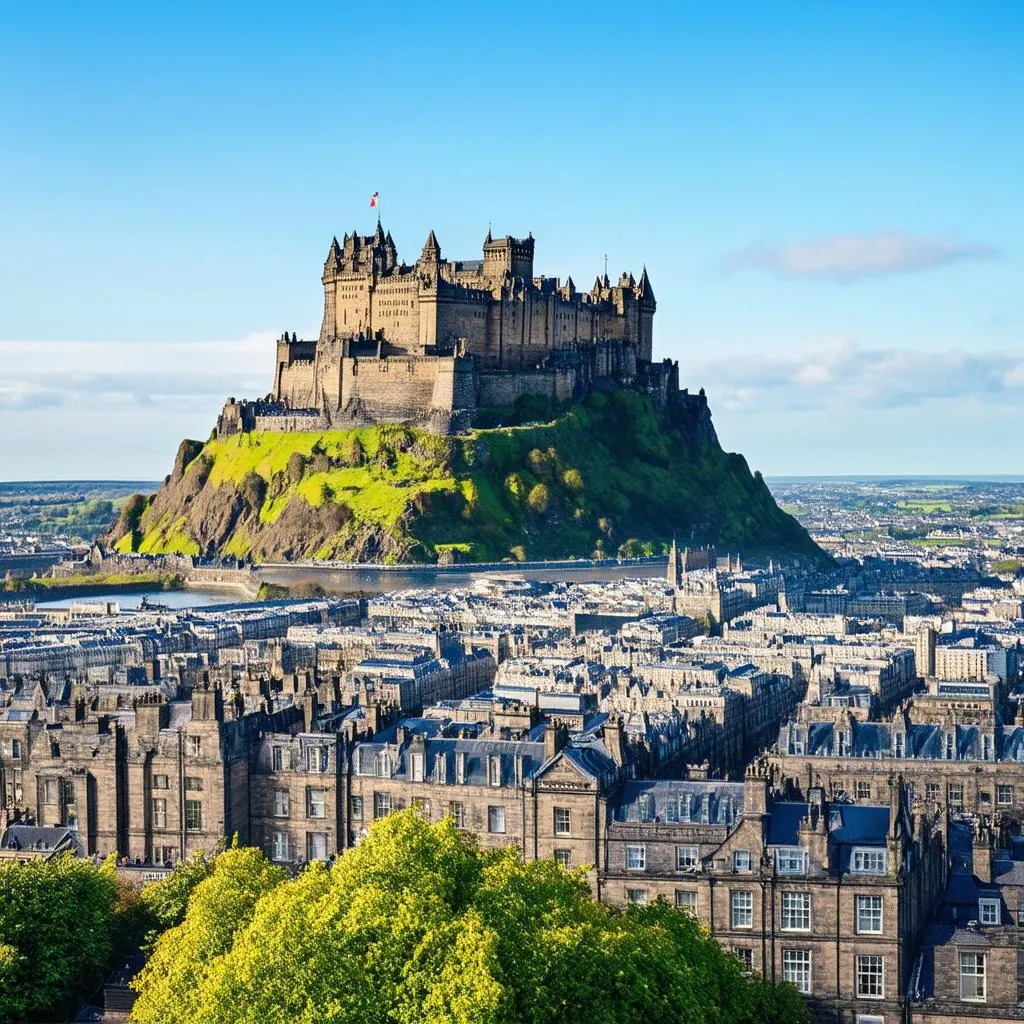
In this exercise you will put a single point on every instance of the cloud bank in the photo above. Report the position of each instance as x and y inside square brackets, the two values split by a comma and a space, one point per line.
[849, 258]
[848, 380]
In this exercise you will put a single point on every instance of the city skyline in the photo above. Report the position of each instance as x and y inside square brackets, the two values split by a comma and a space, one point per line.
[825, 202]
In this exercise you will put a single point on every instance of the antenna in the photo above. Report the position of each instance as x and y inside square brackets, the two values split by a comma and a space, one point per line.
[606, 264]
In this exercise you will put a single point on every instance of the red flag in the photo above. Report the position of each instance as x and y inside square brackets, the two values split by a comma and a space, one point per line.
[374, 199]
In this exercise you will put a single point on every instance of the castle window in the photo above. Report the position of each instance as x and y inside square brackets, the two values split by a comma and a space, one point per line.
[416, 767]
[562, 821]
[381, 805]
[496, 820]
[1004, 795]
[563, 858]
[355, 808]
[160, 782]
[636, 897]
[194, 746]
[741, 860]
[280, 803]
[193, 784]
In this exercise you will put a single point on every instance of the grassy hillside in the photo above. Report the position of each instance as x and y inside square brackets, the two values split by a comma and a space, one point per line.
[611, 476]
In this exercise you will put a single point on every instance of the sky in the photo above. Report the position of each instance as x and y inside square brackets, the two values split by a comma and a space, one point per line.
[827, 197]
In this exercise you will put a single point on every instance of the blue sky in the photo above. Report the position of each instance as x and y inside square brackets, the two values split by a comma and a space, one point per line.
[827, 197]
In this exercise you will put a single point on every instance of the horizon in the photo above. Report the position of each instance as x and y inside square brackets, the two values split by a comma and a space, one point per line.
[826, 201]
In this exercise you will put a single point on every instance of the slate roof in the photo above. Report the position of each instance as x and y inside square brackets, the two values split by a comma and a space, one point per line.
[665, 797]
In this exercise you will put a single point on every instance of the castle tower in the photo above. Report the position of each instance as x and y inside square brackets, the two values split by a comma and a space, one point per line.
[508, 255]
[648, 306]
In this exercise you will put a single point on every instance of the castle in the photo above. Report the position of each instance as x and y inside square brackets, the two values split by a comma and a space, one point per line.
[434, 343]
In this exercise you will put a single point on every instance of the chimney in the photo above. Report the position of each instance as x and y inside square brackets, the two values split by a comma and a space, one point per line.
[755, 793]
[982, 852]
[612, 734]
[310, 709]
[554, 739]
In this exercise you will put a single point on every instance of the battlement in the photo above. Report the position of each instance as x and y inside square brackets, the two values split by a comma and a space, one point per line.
[432, 342]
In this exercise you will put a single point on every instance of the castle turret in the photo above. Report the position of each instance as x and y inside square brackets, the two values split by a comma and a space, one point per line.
[648, 306]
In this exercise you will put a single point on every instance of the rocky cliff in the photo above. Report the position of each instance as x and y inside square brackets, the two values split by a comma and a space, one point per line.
[614, 475]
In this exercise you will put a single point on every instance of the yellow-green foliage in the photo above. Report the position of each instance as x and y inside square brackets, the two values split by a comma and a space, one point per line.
[610, 469]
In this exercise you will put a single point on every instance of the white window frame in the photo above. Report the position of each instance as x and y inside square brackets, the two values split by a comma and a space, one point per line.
[864, 911]
[494, 812]
[311, 841]
[869, 860]
[562, 821]
[282, 803]
[160, 812]
[974, 966]
[791, 860]
[797, 969]
[636, 897]
[457, 812]
[741, 908]
[563, 858]
[636, 858]
[864, 970]
[686, 900]
[280, 847]
[990, 910]
[416, 766]
[795, 911]
[1002, 787]
[494, 771]
[381, 805]
[313, 805]
[687, 858]
[738, 864]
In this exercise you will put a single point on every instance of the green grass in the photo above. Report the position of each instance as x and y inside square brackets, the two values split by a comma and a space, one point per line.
[924, 507]
[618, 474]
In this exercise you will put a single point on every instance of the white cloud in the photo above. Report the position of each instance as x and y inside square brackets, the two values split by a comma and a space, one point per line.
[854, 257]
[35, 374]
[838, 375]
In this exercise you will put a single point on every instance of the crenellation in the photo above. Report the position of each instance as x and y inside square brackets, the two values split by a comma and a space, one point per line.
[432, 343]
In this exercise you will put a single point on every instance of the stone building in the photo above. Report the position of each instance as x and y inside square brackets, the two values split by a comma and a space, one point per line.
[831, 897]
[430, 343]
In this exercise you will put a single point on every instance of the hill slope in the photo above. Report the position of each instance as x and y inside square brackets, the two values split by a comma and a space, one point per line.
[613, 475]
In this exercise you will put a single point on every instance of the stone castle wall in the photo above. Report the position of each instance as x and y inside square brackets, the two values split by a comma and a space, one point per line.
[430, 343]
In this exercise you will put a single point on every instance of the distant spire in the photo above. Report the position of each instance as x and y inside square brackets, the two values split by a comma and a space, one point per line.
[644, 290]
[431, 243]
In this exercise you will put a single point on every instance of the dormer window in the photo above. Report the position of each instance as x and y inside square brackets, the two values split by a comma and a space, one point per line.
[949, 748]
[684, 808]
[791, 860]
[645, 808]
[383, 765]
[416, 767]
[869, 862]
[460, 767]
[898, 744]
[494, 770]
[989, 910]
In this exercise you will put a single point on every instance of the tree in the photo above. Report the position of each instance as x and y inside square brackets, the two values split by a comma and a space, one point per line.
[538, 499]
[58, 924]
[167, 900]
[417, 923]
[185, 956]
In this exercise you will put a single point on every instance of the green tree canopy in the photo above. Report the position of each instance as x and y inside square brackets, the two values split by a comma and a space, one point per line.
[417, 924]
[58, 924]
